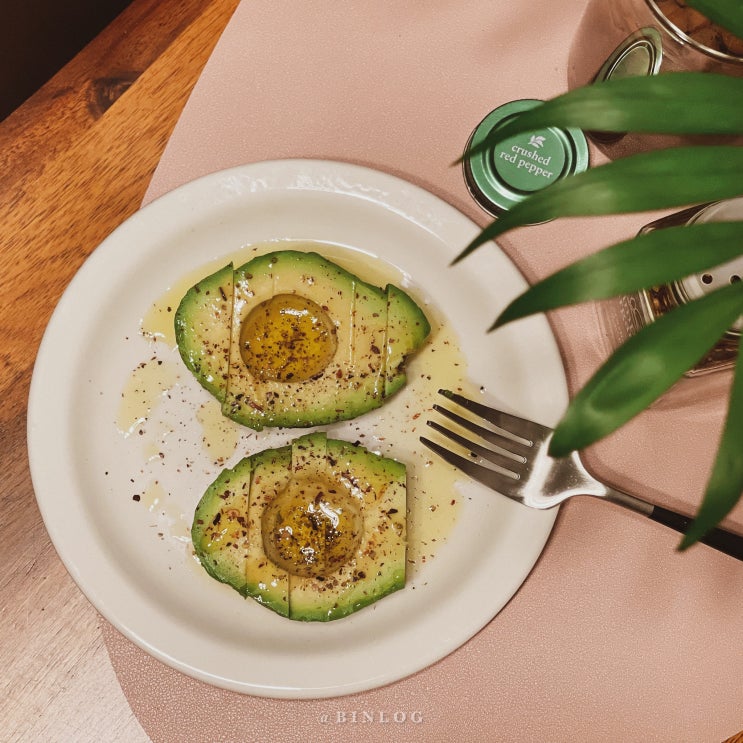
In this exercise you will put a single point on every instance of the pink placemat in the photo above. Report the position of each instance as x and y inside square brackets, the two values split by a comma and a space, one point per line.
[614, 636]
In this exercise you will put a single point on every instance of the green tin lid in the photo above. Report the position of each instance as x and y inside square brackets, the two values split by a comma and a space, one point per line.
[499, 178]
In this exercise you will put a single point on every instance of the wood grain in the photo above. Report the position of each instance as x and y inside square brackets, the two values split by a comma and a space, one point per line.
[67, 106]
[74, 166]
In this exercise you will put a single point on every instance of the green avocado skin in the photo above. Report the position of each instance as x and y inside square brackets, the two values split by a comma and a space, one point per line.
[202, 326]
[378, 568]
[213, 519]
[385, 325]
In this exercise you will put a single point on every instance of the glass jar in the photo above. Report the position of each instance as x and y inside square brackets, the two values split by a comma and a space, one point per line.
[624, 38]
[628, 314]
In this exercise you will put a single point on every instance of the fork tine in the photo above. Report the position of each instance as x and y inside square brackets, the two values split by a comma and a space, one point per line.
[497, 439]
[492, 479]
[521, 429]
[506, 463]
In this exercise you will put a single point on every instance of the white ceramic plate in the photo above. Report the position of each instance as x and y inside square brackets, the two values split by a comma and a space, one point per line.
[132, 558]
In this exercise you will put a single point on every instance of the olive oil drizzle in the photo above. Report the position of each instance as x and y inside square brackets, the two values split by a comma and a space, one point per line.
[434, 496]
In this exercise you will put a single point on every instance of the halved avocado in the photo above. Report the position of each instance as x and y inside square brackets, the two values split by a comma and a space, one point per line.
[302, 341]
[323, 533]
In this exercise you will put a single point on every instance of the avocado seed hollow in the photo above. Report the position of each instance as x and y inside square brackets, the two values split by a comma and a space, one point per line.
[287, 338]
[312, 528]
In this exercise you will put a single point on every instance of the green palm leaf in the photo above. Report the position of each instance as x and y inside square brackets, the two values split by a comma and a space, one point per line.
[652, 360]
[652, 180]
[645, 367]
[653, 258]
[671, 103]
[726, 483]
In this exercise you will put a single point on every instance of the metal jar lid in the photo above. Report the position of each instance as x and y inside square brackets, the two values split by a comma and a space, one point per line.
[501, 177]
[639, 55]
[697, 285]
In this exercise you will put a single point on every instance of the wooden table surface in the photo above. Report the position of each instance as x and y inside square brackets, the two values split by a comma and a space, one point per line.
[76, 161]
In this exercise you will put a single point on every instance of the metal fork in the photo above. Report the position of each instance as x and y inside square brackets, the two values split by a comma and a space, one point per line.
[513, 461]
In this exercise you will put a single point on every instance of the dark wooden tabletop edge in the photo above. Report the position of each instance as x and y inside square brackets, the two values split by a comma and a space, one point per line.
[83, 90]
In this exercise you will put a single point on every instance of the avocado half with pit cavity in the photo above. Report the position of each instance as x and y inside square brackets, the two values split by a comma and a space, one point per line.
[291, 339]
[314, 531]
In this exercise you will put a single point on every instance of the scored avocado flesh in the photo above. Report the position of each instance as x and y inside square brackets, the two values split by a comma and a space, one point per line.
[363, 560]
[298, 341]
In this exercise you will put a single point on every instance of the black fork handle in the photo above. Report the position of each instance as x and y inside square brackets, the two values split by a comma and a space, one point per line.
[722, 540]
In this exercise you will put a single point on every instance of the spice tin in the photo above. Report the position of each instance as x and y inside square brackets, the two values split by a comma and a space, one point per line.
[501, 177]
